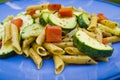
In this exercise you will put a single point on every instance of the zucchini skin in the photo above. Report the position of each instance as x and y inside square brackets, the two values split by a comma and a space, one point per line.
[89, 50]
[7, 55]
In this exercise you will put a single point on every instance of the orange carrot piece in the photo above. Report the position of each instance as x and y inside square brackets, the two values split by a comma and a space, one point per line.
[53, 34]
[101, 17]
[54, 7]
[0, 43]
[18, 22]
[31, 12]
[66, 12]
[104, 41]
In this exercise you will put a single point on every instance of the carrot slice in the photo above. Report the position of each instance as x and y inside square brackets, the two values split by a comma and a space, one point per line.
[66, 12]
[53, 34]
[101, 17]
[104, 41]
[54, 7]
[31, 12]
[0, 43]
[18, 22]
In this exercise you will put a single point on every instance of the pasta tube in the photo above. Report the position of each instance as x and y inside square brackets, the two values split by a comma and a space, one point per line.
[26, 45]
[64, 44]
[38, 7]
[40, 50]
[15, 39]
[77, 59]
[59, 64]
[7, 33]
[93, 23]
[73, 51]
[53, 49]
[36, 58]
[99, 35]
[112, 39]
[104, 59]
[41, 38]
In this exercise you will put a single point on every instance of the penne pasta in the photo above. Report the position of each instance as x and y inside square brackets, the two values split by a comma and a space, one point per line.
[59, 64]
[73, 51]
[93, 23]
[105, 59]
[53, 49]
[41, 38]
[15, 39]
[77, 59]
[112, 39]
[99, 35]
[67, 39]
[38, 7]
[64, 44]
[7, 33]
[36, 58]
[40, 50]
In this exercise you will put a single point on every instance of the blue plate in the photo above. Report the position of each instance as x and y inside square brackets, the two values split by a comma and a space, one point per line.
[21, 68]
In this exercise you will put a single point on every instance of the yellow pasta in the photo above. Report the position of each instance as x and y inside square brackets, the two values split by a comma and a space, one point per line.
[64, 44]
[59, 64]
[40, 50]
[73, 51]
[7, 33]
[36, 58]
[93, 23]
[41, 38]
[53, 49]
[38, 7]
[26, 45]
[105, 59]
[99, 35]
[16, 39]
[113, 39]
[78, 59]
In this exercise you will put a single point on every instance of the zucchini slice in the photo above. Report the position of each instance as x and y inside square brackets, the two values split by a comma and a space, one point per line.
[6, 51]
[32, 30]
[91, 46]
[65, 23]
[83, 20]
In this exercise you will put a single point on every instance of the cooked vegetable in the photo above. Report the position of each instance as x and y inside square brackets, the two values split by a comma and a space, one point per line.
[66, 12]
[31, 11]
[0, 43]
[83, 20]
[91, 46]
[18, 22]
[65, 23]
[55, 7]
[101, 17]
[53, 34]
[31, 31]
[104, 41]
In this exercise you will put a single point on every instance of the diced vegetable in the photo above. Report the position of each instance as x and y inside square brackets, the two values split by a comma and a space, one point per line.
[91, 46]
[18, 22]
[31, 11]
[54, 7]
[101, 17]
[83, 20]
[104, 41]
[53, 34]
[66, 12]
[0, 43]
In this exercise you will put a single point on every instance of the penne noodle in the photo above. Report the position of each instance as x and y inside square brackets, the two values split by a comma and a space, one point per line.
[26, 51]
[7, 33]
[40, 50]
[41, 38]
[59, 64]
[36, 58]
[53, 49]
[91, 34]
[78, 59]
[93, 23]
[106, 34]
[99, 35]
[15, 39]
[112, 39]
[38, 7]
[36, 15]
[64, 44]
[73, 51]
[67, 39]
[105, 59]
